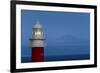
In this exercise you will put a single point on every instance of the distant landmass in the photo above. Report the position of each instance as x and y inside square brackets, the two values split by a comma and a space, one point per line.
[59, 58]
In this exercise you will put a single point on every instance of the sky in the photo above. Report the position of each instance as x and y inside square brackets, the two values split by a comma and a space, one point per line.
[66, 33]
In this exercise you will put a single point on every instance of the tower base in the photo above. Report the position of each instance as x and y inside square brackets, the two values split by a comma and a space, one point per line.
[37, 54]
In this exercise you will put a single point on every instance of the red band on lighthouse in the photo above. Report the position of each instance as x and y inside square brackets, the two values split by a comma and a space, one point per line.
[37, 54]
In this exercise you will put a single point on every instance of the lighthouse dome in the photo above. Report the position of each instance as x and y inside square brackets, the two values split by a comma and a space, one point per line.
[37, 25]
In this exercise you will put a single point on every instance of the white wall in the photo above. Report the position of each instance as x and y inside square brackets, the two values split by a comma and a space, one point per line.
[5, 37]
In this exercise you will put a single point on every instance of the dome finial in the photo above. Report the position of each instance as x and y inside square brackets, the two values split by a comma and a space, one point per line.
[37, 21]
[37, 25]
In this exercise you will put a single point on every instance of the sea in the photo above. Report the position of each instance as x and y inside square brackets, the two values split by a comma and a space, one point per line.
[59, 58]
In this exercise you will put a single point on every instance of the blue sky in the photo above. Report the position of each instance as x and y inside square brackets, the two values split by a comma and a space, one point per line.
[66, 33]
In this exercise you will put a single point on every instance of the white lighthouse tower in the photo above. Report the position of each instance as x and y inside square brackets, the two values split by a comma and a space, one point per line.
[37, 43]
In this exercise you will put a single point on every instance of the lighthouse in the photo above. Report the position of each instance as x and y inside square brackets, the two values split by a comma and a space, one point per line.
[37, 43]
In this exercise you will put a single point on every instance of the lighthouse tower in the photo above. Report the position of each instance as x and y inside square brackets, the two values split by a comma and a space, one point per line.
[37, 43]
